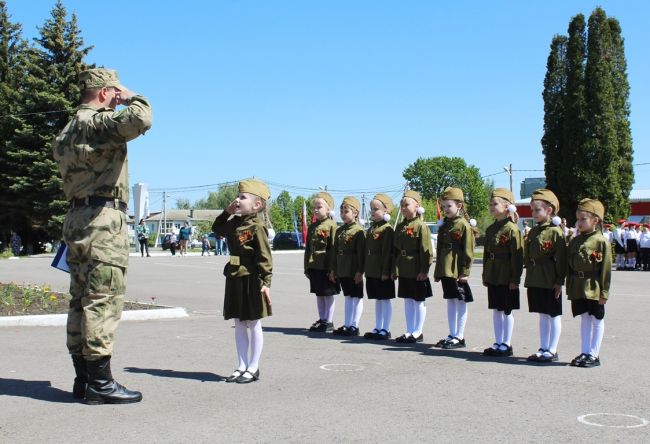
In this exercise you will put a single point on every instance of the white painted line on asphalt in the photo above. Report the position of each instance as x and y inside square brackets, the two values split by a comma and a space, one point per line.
[57, 320]
[587, 419]
[207, 312]
[342, 367]
[192, 337]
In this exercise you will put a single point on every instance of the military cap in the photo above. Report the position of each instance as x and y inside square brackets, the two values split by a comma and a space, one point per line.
[503, 193]
[413, 195]
[385, 200]
[256, 187]
[621, 221]
[451, 193]
[592, 206]
[329, 200]
[351, 202]
[99, 78]
[546, 196]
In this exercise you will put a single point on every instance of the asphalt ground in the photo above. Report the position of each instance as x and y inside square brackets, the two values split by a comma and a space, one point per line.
[320, 388]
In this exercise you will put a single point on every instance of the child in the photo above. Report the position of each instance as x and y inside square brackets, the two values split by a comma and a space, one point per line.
[319, 260]
[503, 261]
[631, 246]
[589, 258]
[619, 244]
[349, 246]
[455, 252]
[545, 262]
[205, 245]
[411, 261]
[644, 246]
[248, 274]
[378, 263]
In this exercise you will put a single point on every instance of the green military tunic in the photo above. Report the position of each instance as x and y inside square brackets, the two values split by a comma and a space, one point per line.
[589, 259]
[455, 249]
[379, 249]
[349, 248]
[503, 256]
[319, 251]
[412, 248]
[545, 256]
[249, 268]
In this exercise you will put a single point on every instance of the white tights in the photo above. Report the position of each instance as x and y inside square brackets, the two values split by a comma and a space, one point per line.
[550, 329]
[503, 325]
[242, 342]
[456, 317]
[325, 307]
[353, 311]
[415, 313]
[383, 314]
[591, 334]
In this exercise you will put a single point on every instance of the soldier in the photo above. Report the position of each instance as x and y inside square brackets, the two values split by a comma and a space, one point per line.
[91, 154]
[589, 258]
[545, 262]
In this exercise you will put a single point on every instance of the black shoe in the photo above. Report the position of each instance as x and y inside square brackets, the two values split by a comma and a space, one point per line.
[589, 361]
[414, 339]
[545, 358]
[323, 326]
[507, 352]
[454, 344]
[442, 342]
[535, 356]
[329, 327]
[382, 335]
[81, 378]
[316, 325]
[578, 359]
[491, 351]
[371, 334]
[103, 389]
[248, 377]
[235, 375]
[341, 331]
[351, 331]
[403, 339]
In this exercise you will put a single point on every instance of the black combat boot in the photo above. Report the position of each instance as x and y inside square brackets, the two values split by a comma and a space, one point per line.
[81, 380]
[103, 389]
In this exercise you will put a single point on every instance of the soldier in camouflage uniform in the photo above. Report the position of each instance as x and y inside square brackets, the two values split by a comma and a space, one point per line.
[91, 154]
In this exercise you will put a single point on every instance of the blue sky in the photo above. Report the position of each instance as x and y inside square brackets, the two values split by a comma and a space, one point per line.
[340, 93]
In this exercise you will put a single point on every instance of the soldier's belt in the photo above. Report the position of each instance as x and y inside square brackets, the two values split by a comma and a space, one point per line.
[501, 256]
[374, 252]
[451, 246]
[98, 201]
[408, 252]
[540, 260]
[585, 274]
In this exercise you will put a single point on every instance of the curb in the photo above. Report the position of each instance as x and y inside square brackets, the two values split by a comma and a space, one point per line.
[58, 320]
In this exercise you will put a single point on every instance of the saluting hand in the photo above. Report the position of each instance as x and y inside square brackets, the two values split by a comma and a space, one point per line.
[123, 95]
[232, 207]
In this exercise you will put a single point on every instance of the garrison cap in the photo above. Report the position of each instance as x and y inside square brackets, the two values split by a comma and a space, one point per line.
[451, 193]
[413, 195]
[327, 197]
[546, 196]
[256, 187]
[99, 78]
[385, 200]
[592, 206]
[351, 202]
[504, 193]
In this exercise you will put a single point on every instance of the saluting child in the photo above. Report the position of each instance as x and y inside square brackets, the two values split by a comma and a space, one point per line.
[545, 262]
[455, 252]
[320, 259]
[503, 261]
[411, 262]
[589, 257]
[349, 248]
[378, 264]
[248, 274]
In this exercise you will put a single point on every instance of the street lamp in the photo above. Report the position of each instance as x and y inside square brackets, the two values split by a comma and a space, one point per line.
[508, 170]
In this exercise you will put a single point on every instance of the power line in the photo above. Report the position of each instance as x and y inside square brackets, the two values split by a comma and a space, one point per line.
[38, 113]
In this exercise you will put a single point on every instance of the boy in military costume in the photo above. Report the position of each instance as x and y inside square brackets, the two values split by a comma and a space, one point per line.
[248, 273]
[589, 258]
[349, 248]
[411, 262]
[378, 265]
[545, 262]
[455, 253]
[320, 259]
[503, 260]
[91, 153]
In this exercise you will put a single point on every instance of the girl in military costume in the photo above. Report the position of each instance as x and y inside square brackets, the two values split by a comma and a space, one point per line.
[248, 274]
[319, 260]
[545, 262]
[589, 258]
[411, 261]
[455, 253]
[503, 260]
[349, 248]
[378, 263]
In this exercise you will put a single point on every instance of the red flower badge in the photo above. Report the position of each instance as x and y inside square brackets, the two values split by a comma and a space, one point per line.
[245, 236]
[546, 246]
[409, 231]
[323, 233]
[455, 235]
[596, 256]
[504, 239]
[348, 239]
[376, 236]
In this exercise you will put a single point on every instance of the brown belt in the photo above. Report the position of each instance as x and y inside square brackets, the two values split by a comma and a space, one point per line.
[98, 201]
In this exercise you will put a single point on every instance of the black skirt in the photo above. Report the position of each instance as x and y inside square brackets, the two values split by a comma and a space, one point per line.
[542, 300]
[501, 298]
[350, 288]
[580, 306]
[378, 289]
[452, 289]
[410, 288]
[618, 248]
[244, 300]
[320, 284]
[631, 245]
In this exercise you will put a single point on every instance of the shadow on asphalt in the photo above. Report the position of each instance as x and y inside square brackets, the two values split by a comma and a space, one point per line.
[198, 376]
[40, 390]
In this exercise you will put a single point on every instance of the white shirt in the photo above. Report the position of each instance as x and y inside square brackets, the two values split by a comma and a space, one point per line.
[644, 239]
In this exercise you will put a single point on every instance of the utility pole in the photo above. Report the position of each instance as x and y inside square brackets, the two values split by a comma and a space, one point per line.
[163, 227]
[508, 170]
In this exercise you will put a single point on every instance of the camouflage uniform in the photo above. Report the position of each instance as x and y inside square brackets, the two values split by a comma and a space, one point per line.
[91, 154]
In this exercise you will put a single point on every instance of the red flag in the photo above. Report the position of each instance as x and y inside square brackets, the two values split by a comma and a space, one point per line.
[438, 214]
[304, 223]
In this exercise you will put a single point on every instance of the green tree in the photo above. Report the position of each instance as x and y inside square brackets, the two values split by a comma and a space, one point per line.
[218, 200]
[281, 212]
[430, 176]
